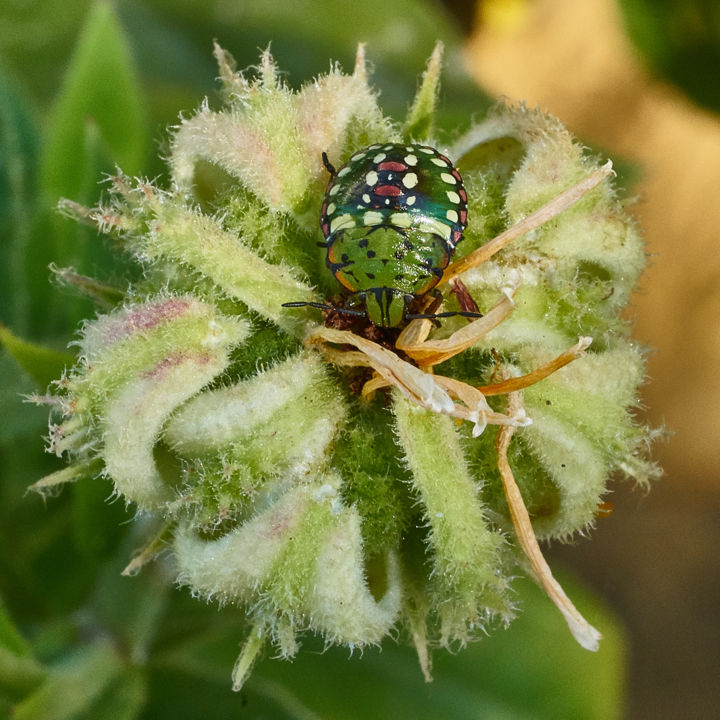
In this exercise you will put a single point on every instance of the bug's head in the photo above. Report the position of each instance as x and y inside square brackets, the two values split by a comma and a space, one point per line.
[385, 306]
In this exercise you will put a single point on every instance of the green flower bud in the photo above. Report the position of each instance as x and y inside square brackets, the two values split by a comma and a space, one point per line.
[350, 481]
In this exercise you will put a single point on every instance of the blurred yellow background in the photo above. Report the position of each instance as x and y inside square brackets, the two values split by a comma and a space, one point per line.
[657, 556]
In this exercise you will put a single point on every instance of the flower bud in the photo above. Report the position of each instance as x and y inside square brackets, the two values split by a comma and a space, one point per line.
[345, 478]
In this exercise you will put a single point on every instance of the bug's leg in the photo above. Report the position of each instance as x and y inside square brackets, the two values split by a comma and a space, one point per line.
[469, 308]
[328, 165]
[561, 202]
[465, 299]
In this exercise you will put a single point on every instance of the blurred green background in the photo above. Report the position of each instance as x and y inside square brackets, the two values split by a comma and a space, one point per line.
[94, 85]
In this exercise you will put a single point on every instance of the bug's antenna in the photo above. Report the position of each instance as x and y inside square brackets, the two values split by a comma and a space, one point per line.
[322, 306]
[328, 165]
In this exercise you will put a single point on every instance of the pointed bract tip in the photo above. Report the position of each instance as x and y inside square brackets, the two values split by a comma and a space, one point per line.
[243, 665]
[226, 62]
[608, 168]
[360, 70]
[437, 54]
[268, 69]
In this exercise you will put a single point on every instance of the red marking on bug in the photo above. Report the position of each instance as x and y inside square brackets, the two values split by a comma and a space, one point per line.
[393, 166]
[388, 191]
[456, 175]
[462, 194]
[325, 229]
[463, 216]
[442, 157]
[323, 209]
[456, 236]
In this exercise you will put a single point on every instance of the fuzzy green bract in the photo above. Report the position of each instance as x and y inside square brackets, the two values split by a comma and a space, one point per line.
[287, 494]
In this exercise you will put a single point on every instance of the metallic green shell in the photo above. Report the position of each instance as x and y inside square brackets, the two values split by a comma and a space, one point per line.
[392, 217]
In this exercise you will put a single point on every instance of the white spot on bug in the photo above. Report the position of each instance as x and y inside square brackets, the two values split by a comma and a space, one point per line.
[341, 222]
[390, 176]
[366, 198]
[409, 148]
[410, 159]
[452, 216]
[437, 226]
[401, 219]
[388, 147]
[372, 217]
[448, 178]
[379, 157]
[344, 171]
[453, 197]
[371, 178]
[331, 208]
[374, 147]
[426, 150]
[387, 201]
[410, 180]
[357, 156]
[334, 190]
[438, 161]
[411, 199]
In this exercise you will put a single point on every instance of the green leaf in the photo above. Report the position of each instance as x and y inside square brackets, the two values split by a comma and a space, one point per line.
[18, 148]
[35, 40]
[100, 88]
[10, 637]
[123, 700]
[74, 685]
[42, 364]
[20, 673]
[98, 122]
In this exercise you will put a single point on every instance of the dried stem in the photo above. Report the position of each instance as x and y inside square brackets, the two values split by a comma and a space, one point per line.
[548, 211]
[582, 631]
[519, 383]
[433, 392]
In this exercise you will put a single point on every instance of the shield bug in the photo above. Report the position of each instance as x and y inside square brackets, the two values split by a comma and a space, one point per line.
[392, 217]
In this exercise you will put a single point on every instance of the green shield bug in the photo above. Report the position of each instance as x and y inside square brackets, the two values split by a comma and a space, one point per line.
[392, 217]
